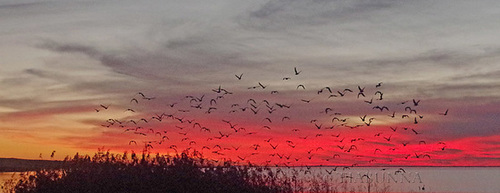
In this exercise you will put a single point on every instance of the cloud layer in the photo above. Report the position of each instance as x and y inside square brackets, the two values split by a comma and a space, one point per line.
[64, 59]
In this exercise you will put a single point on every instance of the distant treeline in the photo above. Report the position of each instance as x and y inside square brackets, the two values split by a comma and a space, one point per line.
[23, 165]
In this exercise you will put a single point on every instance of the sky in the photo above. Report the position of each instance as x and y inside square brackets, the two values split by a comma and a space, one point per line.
[263, 81]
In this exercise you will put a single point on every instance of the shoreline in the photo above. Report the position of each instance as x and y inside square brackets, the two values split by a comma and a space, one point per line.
[23, 165]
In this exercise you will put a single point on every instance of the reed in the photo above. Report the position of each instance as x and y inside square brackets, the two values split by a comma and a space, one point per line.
[186, 172]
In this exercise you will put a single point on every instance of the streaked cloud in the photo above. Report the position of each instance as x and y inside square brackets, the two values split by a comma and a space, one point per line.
[64, 59]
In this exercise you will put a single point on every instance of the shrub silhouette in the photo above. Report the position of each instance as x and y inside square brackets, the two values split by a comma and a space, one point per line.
[184, 173]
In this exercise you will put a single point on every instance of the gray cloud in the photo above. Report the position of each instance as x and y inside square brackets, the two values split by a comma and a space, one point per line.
[106, 59]
[46, 74]
[451, 57]
[284, 14]
[138, 65]
[493, 75]
[22, 10]
[21, 5]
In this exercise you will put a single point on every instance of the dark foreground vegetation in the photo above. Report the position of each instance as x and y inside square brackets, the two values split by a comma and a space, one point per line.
[106, 172]
[184, 173]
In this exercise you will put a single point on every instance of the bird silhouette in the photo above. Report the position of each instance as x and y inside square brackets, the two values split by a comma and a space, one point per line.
[296, 71]
[445, 113]
[262, 86]
[381, 108]
[416, 102]
[380, 95]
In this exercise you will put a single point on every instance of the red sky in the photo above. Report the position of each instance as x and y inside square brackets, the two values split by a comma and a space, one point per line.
[300, 133]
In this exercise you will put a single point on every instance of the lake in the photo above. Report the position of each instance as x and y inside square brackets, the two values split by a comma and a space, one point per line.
[406, 179]
[4, 176]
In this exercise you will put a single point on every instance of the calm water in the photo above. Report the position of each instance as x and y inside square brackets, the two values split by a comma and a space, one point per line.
[413, 179]
[5, 176]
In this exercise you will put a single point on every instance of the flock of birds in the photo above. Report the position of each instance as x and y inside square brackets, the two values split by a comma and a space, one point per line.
[281, 125]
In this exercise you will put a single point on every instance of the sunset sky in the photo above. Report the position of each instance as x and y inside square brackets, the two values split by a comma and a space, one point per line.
[71, 74]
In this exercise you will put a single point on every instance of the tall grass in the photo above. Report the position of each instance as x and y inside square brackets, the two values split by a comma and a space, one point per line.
[106, 172]
[187, 172]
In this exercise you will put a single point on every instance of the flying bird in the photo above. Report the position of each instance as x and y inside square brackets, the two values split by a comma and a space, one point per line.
[411, 110]
[381, 108]
[142, 94]
[445, 113]
[380, 95]
[306, 101]
[415, 103]
[213, 102]
[318, 126]
[361, 91]
[296, 71]
[262, 86]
